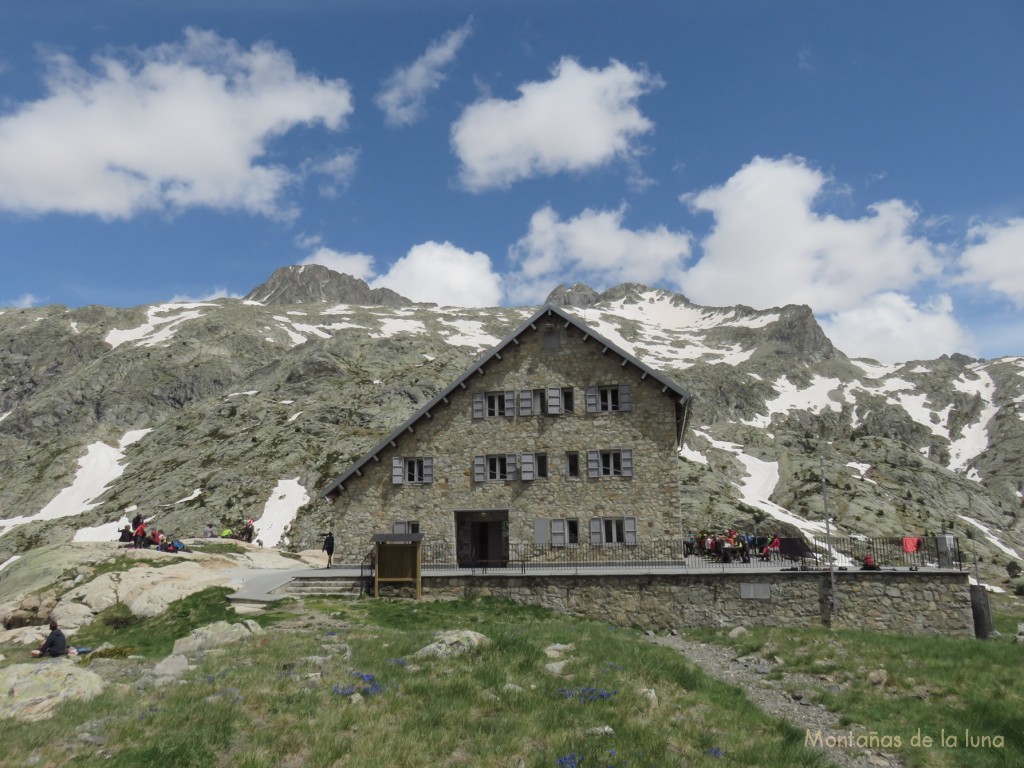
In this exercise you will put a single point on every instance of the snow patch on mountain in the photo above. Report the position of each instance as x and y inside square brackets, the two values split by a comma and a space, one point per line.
[814, 399]
[974, 437]
[280, 511]
[100, 466]
[159, 326]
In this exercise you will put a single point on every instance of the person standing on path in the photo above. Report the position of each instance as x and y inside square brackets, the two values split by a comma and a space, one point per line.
[329, 547]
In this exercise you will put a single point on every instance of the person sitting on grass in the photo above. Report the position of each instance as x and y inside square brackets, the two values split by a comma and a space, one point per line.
[54, 645]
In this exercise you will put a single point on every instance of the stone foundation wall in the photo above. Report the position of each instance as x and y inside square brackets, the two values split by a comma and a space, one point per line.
[919, 603]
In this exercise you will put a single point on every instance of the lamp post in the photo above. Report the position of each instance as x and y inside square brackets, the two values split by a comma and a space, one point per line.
[828, 539]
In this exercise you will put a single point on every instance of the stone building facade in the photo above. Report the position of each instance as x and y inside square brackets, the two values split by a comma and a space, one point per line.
[555, 437]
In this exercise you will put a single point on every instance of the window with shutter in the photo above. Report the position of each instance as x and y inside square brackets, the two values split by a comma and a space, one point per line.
[629, 530]
[527, 466]
[627, 462]
[399, 528]
[510, 403]
[558, 538]
[625, 398]
[554, 398]
[596, 532]
[397, 470]
[541, 463]
[479, 469]
[510, 466]
[479, 405]
[572, 464]
[526, 402]
[428, 469]
[568, 400]
[540, 533]
[593, 405]
[593, 464]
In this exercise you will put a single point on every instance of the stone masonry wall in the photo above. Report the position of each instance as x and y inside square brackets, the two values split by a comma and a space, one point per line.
[371, 504]
[918, 603]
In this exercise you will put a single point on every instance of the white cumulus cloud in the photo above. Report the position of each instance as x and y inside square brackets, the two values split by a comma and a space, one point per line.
[175, 126]
[355, 264]
[578, 120]
[891, 327]
[769, 247]
[445, 274]
[404, 93]
[216, 293]
[595, 248]
[994, 257]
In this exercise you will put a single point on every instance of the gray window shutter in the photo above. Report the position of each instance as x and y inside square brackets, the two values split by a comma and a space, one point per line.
[510, 466]
[554, 395]
[526, 402]
[596, 532]
[540, 533]
[479, 403]
[428, 469]
[479, 468]
[399, 528]
[625, 398]
[593, 401]
[529, 467]
[627, 462]
[397, 470]
[558, 533]
[629, 530]
[593, 463]
[510, 402]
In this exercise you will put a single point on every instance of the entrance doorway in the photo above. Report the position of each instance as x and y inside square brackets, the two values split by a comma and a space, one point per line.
[481, 538]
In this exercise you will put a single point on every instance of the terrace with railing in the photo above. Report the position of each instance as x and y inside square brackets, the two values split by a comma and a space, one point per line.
[845, 553]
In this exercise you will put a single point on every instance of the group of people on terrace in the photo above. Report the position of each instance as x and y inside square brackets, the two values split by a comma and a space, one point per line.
[733, 545]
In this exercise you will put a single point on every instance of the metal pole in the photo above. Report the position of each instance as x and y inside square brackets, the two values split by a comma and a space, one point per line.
[828, 539]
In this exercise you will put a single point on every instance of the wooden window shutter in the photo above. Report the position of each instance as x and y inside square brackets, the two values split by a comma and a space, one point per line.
[593, 400]
[625, 398]
[526, 402]
[627, 462]
[540, 533]
[479, 469]
[596, 532]
[397, 470]
[428, 469]
[629, 530]
[593, 463]
[558, 538]
[554, 395]
[399, 528]
[529, 466]
[510, 402]
[510, 466]
[479, 405]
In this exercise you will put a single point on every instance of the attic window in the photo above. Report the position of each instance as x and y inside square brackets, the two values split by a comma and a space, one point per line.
[552, 338]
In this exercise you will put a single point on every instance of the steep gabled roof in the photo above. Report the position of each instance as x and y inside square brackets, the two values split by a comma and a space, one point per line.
[332, 489]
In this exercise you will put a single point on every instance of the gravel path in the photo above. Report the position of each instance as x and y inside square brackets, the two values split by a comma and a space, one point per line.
[789, 699]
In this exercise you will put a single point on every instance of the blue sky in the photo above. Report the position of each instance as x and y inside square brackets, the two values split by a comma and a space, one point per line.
[862, 158]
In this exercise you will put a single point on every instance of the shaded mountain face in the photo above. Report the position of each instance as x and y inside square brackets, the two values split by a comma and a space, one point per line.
[213, 412]
[313, 283]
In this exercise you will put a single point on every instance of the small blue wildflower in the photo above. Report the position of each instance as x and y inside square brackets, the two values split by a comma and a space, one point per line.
[715, 752]
[399, 662]
[330, 633]
[571, 760]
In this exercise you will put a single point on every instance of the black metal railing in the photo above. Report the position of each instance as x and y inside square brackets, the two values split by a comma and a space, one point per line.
[846, 552]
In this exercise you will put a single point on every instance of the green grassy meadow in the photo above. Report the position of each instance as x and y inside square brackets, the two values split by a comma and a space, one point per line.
[288, 698]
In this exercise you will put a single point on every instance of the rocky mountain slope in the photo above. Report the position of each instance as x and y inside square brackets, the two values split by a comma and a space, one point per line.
[211, 412]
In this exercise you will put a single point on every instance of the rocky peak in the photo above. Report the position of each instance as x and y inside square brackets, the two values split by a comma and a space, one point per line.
[578, 295]
[311, 283]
